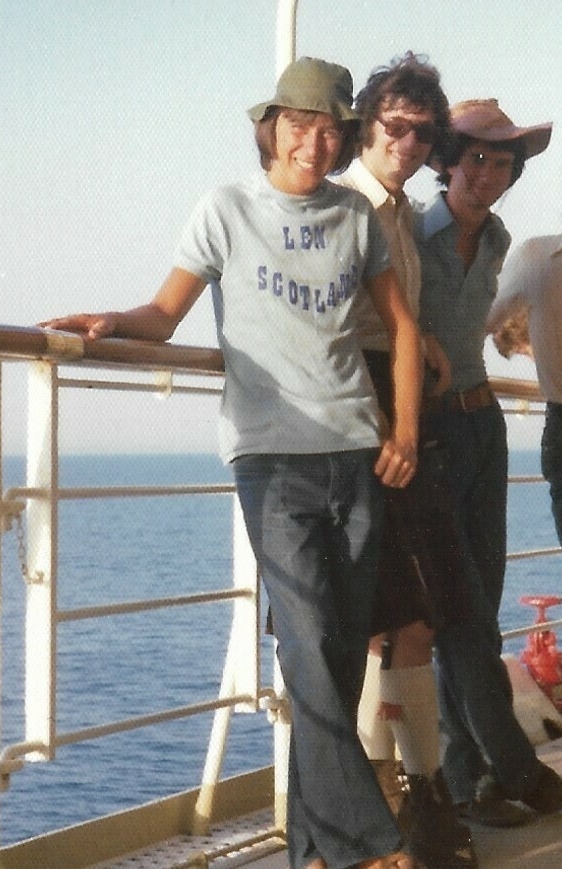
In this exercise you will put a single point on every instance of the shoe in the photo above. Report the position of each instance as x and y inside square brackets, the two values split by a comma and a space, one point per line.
[546, 796]
[458, 833]
[391, 778]
[435, 836]
[490, 808]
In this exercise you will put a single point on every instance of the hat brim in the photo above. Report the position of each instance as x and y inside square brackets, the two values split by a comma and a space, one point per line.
[536, 139]
[339, 110]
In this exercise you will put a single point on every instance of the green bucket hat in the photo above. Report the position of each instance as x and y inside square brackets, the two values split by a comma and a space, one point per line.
[312, 85]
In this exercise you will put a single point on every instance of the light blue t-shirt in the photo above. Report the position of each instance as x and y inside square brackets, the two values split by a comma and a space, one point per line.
[286, 273]
[454, 305]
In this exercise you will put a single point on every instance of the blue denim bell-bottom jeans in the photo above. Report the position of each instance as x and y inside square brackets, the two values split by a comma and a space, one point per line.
[481, 729]
[314, 524]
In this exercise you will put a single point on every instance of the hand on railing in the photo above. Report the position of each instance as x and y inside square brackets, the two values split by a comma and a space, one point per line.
[89, 326]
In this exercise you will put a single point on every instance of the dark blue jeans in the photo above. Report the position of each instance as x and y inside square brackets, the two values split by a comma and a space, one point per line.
[314, 524]
[474, 688]
[551, 460]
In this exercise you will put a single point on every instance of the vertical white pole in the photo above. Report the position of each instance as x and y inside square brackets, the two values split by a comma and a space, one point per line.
[285, 54]
[286, 34]
[41, 615]
[241, 674]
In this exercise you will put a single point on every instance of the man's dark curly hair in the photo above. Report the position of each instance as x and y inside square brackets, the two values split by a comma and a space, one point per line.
[450, 152]
[409, 77]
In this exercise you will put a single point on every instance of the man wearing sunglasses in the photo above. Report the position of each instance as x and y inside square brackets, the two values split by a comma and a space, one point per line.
[404, 113]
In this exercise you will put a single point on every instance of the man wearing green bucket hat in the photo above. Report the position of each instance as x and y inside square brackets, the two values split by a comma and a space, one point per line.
[289, 255]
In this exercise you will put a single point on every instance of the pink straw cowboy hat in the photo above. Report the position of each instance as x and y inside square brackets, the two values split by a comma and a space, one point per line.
[484, 120]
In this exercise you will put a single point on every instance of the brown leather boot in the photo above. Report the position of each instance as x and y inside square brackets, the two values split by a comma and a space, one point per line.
[392, 782]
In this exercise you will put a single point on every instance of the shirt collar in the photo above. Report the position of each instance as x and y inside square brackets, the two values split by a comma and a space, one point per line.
[437, 217]
[369, 185]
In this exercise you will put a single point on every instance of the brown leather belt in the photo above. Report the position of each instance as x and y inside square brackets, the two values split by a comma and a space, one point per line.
[465, 401]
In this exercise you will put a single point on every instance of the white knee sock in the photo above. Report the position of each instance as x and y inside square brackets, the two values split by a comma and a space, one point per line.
[417, 730]
[375, 734]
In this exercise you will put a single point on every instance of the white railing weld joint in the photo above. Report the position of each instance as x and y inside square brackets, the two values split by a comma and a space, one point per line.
[12, 759]
[10, 509]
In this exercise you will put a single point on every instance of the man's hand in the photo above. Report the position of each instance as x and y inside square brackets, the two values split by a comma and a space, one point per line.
[88, 326]
[396, 464]
[513, 336]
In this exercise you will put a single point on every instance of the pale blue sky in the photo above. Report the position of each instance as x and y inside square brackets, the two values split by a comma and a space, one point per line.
[119, 114]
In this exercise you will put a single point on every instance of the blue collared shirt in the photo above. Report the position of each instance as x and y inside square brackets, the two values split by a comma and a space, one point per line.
[454, 303]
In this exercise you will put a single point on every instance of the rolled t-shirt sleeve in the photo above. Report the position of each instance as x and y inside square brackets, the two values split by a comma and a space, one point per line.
[202, 247]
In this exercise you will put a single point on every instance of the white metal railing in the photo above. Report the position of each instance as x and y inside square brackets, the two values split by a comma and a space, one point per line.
[241, 686]
[524, 398]
[172, 369]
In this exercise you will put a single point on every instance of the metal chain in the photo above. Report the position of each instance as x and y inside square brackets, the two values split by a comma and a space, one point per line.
[22, 551]
[11, 511]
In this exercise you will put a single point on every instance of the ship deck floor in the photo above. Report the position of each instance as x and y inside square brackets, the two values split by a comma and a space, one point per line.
[535, 846]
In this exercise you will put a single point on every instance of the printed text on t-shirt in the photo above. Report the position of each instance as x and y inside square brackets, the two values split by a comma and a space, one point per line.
[341, 289]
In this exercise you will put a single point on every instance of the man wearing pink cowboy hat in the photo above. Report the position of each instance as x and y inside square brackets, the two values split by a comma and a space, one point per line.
[462, 244]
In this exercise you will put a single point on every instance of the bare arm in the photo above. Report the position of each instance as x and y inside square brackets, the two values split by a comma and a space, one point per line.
[155, 321]
[397, 462]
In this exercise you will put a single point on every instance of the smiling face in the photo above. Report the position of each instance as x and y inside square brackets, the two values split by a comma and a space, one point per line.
[401, 140]
[482, 175]
[307, 146]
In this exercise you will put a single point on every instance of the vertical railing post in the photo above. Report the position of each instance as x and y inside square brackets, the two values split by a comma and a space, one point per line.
[241, 674]
[281, 743]
[42, 527]
[286, 34]
[246, 617]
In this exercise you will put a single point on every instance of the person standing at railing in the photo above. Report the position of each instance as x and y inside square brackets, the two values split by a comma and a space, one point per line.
[488, 756]
[404, 112]
[526, 317]
[289, 255]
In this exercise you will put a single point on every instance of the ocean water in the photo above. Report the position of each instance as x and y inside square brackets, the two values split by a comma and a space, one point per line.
[128, 550]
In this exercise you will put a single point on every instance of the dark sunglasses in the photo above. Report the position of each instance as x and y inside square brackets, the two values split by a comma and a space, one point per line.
[397, 128]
